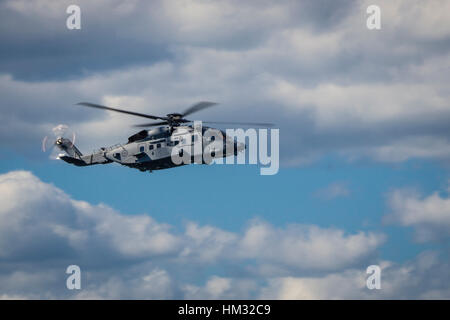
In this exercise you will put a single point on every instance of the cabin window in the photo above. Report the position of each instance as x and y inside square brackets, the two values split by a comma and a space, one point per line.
[150, 147]
[142, 149]
[213, 138]
[158, 145]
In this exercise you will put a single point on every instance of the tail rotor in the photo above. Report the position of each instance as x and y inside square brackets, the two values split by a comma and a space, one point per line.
[60, 143]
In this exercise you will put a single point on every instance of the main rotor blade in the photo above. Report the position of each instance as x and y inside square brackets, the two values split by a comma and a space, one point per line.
[93, 105]
[197, 107]
[150, 124]
[258, 124]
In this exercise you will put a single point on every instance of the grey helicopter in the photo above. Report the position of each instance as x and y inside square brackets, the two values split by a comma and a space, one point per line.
[152, 149]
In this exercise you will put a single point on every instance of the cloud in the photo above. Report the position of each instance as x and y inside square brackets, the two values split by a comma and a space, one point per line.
[428, 215]
[334, 286]
[48, 219]
[313, 69]
[155, 284]
[129, 255]
[134, 256]
[333, 190]
[51, 219]
[331, 85]
[417, 279]
[424, 277]
[308, 247]
[207, 244]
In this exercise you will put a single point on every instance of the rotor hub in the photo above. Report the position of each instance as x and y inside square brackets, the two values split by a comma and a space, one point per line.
[175, 116]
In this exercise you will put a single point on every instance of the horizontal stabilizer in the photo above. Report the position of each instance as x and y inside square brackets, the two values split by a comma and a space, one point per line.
[74, 161]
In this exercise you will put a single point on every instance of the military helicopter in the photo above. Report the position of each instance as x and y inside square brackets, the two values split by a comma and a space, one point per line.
[149, 150]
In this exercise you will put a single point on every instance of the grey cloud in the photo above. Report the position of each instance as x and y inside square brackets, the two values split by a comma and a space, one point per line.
[37, 44]
[117, 35]
[331, 85]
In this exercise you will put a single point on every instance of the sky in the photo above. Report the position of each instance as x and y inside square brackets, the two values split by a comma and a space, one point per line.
[364, 150]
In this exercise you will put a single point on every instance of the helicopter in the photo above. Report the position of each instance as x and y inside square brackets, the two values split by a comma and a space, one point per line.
[153, 149]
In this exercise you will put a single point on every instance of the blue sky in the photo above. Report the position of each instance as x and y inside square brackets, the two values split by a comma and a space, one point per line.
[364, 150]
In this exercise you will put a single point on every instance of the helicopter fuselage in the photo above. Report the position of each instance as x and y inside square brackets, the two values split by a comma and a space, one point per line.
[150, 150]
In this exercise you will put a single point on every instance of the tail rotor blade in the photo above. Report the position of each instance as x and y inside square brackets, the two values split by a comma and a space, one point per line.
[61, 132]
[44, 144]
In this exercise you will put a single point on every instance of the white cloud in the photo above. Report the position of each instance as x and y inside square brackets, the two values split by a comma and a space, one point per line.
[207, 243]
[48, 213]
[296, 247]
[155, 284]
[214, 288]
[133, 256]
[125, 255]
[48, 218]
[429, 215]
[425, 277]
[307, 247]
[222, 288]
[333, 286]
